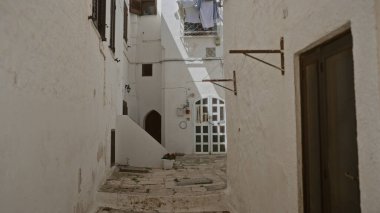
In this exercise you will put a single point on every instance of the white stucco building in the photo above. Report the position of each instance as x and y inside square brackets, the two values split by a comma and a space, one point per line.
[175, 60]
[284, 140]
[303, 139]
[61, 90]
[66, 67]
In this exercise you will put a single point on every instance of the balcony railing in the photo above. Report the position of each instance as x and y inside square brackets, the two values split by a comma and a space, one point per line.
[196, 29]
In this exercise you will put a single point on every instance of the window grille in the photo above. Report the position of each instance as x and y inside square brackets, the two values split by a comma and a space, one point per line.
[196, 29]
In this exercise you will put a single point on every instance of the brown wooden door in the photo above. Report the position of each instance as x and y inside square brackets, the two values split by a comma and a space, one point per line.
[153, 125]
[113, 139]
[329, 138]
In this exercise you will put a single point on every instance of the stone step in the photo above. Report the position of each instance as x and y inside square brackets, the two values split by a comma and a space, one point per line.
[131, 169]
[192, 181]
[196, 185]
[179, 203]
[111, 210]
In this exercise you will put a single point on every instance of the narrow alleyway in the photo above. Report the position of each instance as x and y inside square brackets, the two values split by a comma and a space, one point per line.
[195, 184]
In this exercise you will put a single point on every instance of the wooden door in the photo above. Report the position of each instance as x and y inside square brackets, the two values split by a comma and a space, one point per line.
[329, 138]
[113, 139]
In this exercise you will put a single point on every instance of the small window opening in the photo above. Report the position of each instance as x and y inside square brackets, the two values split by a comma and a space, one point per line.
[143, 7]
[147, 70]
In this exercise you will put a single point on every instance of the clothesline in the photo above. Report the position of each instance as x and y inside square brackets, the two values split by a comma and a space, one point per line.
[204, 13]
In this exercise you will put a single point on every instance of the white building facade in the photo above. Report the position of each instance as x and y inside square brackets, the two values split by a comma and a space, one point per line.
[274, 147]
[61, 91]
[167, 63]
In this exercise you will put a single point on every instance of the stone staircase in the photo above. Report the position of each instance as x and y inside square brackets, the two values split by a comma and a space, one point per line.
[195, 185]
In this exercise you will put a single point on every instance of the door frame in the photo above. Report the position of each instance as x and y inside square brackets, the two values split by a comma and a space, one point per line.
[209, 106]
[337, 35]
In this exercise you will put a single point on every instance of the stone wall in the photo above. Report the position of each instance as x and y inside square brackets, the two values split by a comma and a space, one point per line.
[264, 161]
[60, 92]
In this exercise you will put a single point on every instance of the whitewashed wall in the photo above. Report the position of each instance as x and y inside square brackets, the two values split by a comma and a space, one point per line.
[60, 91]
[264, 172]
[145, 48]
[182, 78]
[377, 11]
[135, 147]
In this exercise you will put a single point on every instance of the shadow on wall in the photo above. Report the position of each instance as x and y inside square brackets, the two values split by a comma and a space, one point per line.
[136, 147]
[184, 67]
[152, 125]
[187, 72]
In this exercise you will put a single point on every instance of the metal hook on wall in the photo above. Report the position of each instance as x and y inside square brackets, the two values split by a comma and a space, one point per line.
[279, 51]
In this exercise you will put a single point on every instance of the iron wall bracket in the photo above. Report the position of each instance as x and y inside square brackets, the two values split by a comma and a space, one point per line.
[213, 81]
[280, 51]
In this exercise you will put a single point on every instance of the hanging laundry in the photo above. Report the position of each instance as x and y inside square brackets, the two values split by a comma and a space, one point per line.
[206, 13]
[217, 16]
[181, 11]
[198, 4]
[191, 12]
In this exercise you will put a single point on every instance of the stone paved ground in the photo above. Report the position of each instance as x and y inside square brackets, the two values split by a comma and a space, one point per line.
[110, 210]
[195, 184]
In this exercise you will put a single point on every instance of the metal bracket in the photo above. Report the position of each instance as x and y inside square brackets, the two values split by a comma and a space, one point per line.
[280, 51]
[225, 80]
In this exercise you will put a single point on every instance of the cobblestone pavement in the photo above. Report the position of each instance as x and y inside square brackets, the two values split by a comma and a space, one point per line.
[196, 182]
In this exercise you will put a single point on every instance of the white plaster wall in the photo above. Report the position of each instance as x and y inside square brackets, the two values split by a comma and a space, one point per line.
[182, 80]
[145, 48]
[136, 147]
[264, 171]
[131, 97]
[149, 92]
[157, 40]
[377, 11]
[184, 67]
[60, 91]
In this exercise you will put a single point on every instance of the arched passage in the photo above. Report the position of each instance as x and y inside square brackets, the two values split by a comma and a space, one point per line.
[153, 125]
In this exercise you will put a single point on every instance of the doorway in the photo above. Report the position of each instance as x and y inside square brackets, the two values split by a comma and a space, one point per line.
[153, 125]
[125, 108]
[113, 139]
[210, 126]
[329, 138]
